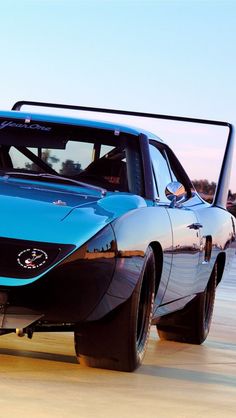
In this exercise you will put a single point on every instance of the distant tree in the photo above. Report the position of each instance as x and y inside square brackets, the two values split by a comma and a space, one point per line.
[70, 168]
[207, 190]
[231, 196]
[46, 157]
[49, 159]
[203, 186]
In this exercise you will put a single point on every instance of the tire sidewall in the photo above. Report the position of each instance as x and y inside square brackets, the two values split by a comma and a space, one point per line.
[146, 284]
[206, 305]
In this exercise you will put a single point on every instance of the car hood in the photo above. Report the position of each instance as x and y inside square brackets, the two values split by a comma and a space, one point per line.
[49, 212]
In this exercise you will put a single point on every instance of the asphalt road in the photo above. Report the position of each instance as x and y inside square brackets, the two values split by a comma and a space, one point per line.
[40, 377]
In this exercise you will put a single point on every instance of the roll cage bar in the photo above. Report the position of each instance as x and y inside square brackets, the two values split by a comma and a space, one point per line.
[221, 194]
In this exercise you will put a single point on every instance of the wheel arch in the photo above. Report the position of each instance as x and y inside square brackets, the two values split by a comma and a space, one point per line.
[158, 254]
[220, 261]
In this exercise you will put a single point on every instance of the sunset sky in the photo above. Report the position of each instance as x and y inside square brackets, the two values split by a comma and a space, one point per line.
[168, 57]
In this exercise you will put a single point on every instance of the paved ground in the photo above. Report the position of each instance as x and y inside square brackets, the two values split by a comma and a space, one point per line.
[40, 378]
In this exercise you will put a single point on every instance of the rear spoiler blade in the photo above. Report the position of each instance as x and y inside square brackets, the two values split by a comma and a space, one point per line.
[222, 190]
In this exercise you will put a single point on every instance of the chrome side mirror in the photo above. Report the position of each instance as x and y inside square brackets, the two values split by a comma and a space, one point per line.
[175, 192]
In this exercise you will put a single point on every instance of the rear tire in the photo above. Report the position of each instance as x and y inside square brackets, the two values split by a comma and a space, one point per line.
[191, 324]
[119, 340]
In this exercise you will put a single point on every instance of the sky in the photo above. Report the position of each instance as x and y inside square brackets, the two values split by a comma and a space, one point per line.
[167, 57]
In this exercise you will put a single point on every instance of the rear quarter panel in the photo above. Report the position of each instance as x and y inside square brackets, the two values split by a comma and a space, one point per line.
[220, 225]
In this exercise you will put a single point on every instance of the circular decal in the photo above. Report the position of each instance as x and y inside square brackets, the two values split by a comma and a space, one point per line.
[32, 258]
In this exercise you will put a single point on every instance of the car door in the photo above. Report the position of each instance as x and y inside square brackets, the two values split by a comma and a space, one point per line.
[185, 249]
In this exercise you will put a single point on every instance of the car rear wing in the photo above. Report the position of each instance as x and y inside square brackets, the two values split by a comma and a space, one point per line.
[221, 194]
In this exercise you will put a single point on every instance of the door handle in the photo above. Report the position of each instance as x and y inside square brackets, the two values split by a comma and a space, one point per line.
[196, 225]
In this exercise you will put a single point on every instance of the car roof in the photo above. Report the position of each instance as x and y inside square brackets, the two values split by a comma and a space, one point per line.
[80, 122]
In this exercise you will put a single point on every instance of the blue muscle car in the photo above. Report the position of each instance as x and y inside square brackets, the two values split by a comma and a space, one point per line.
[102, 233]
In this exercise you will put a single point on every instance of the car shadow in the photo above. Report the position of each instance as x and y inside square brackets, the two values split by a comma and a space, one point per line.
[39, 355]
[188, 375]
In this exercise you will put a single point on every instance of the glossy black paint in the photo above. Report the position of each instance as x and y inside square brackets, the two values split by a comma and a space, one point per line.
[70, 291]
[104, 272]
[11, 249]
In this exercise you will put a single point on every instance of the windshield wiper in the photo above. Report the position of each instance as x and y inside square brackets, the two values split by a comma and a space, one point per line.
[55, 177]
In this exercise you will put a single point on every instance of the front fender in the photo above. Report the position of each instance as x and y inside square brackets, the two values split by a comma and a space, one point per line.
[134, 231]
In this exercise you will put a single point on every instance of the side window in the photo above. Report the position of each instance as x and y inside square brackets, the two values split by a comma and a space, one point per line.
[161, 171]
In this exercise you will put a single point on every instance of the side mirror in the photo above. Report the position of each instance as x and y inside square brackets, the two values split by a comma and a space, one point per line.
[175, 192]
